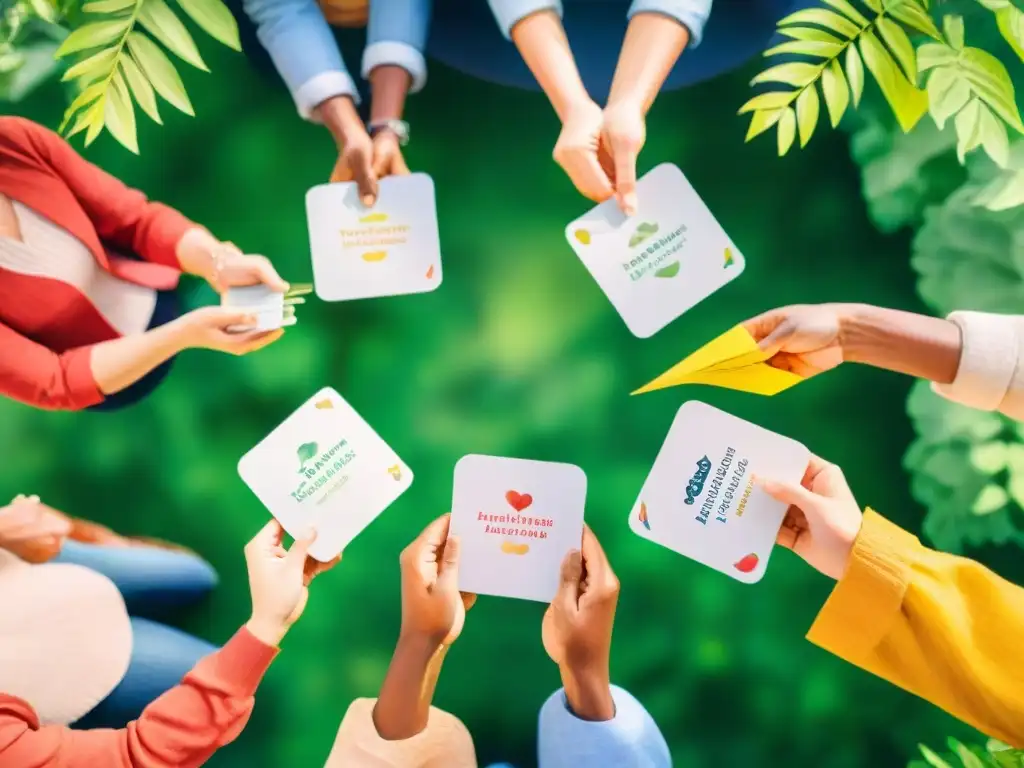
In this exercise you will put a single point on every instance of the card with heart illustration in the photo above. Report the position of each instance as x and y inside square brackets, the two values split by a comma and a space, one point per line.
[700, 499]
[324, 467]
[668, 257]
[516, 519]
[390, 249]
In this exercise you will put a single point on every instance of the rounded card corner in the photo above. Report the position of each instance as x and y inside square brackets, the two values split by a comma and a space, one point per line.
[315, 191]
[578, 470]
[465, 460]
[668, 167]
[641, 333]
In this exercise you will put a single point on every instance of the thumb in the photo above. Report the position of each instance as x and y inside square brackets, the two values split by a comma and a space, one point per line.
[775, 340]
[227, 317]
[300, 551]
[569, 582]
[795, 496]
[449, 575]
[366, 180]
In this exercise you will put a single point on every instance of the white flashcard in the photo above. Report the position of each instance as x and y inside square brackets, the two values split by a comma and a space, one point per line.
[516, 519]
[267, 305]
[324, 467]
[659, 263]
[700, 499]
[390, 249]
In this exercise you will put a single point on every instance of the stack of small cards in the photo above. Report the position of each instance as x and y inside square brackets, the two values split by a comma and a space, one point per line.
[390, 249]
[324, 467]
[516, 520]
[657, 264]
[272, 309]
[734, 361]
[700, 499]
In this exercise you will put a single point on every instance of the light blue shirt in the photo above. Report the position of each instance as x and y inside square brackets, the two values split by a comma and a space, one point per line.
[629, 740]
[302, 46]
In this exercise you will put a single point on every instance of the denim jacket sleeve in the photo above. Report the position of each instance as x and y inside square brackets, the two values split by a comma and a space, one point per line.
[631, 739]
[693, 14]
[397, 35]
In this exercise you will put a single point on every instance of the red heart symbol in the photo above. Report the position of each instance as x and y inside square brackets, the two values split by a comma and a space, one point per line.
[746, 564]
[518, 501]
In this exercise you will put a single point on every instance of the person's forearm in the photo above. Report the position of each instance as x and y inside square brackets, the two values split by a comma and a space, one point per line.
[917, 345]
[589, 694]
[652, 45]
[403, 706]
[544, 47]
[196, 252]
[119, 363]
[341, 118]
[390, 85]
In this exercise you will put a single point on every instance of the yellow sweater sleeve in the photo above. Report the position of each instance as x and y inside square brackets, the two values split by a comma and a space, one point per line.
[940, 626]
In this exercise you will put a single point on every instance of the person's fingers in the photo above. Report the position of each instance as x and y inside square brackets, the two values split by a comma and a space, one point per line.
[314, 568]
[624, 155]
[341, 172]
[399, 166]
[787, 537]
[268, 275]
[300, 550]
[586, 174]
[366, 179]
[778, 336]
[223, 318]
[468, 599]
[595, 561]
[793, 495]
[254, 340]
[449, 571]
[569, 580]
[269, 536]
[436, 533]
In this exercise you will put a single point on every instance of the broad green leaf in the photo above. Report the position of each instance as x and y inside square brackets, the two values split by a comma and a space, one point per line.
[45, 10]
[837, 93]
[1011, 26]
[933, 759]
[769, 100]
[92, 66]
[855, 74]
[807, 108]
[992, 137]
[88, 95]
[118, 114]
[908, 102]
[787, 130]
[992, 498]
[914, 17]
[160, 21]
[995, 5]
[761, 121]
[92, 36]
[968, 129]
[991, 82]
[849, 11]
[108, 6]
[1004, 193]
[968, 758]
[839, 25]
[898, 42]
[795, 73]
[140, 88]
[874, 5]
[948, 92]
[932, 55]
[953, 26]
[214, 18]
[82, 121]
[161, 72]
[96, 122]
[808, 48]
[990, 457]
[813, 34]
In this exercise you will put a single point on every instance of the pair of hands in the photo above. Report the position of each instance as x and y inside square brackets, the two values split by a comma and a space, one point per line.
[598, 150]
[577, 626]
[31, 530]
[366, 161]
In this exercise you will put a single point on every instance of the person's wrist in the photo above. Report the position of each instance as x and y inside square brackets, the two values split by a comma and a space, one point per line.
[267, 630]
[173, 337]
[627, 103]
[418, 647]
[342, 119]
[856, 345]
[588, 691]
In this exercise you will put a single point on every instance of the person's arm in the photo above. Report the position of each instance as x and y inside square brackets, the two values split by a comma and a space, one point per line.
[653, 43]
[629, 737]
[302, 46]
[393, 60]
[403, 705]
[182, 728]
[939, 626]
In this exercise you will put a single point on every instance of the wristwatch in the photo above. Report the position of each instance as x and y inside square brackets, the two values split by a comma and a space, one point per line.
[398, 127]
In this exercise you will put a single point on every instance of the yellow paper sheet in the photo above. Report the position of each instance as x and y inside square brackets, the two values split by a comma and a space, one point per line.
[732, 360]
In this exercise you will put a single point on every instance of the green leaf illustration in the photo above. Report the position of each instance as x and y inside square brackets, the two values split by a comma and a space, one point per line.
[159, 20]
[643, 231]
[92, 36]
[807, 108]
[119, 115]
[214, 18]
[306, 452]
[668, 271]
[160, 71]
[140, 88]
[787, 130]
[836, 91]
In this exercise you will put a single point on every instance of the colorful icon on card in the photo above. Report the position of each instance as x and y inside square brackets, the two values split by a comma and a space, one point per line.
[373, 218]
[643, 516]
[396, 472]
[643, 231]
[375, 256]
[670, 271]
[746, 564]
[430, 272]
[324, 405]
[729, 258]
[518, 501]
[306, 453]
[583, 236]
[511, 548]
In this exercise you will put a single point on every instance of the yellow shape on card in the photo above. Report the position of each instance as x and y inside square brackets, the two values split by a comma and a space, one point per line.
[324, 405]
[511, 548]
[396, 472]
[373, 218]
[375, 256]
[733, 361]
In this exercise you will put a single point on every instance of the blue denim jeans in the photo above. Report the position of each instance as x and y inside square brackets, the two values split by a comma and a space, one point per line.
[151, 581]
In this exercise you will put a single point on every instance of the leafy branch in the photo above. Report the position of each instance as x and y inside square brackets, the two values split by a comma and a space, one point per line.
[994, 754]
[119, 65]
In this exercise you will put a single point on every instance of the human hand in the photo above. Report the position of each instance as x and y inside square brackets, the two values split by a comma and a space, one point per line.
[623, 132]
[279, 581]
[579, 152]
[577, 629]
[387, 156]
[355, 163]
[207, 328]
[31, 530]
[823, 518]
[232, 268]
[803, 338]
[432, 606]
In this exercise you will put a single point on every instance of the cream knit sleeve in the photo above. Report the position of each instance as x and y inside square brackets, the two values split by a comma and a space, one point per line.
[990, 376]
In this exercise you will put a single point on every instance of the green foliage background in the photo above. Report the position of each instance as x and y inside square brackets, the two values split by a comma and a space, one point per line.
[518, 353]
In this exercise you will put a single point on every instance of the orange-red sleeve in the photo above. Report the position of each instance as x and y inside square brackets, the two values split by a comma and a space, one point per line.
[181, 729]
[33, 374]
[942, 627]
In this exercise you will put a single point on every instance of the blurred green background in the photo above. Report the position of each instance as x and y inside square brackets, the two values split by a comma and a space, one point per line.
[517, 354]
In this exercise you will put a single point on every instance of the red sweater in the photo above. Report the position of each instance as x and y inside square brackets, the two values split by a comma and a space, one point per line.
[181, 729]
[47, 326]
